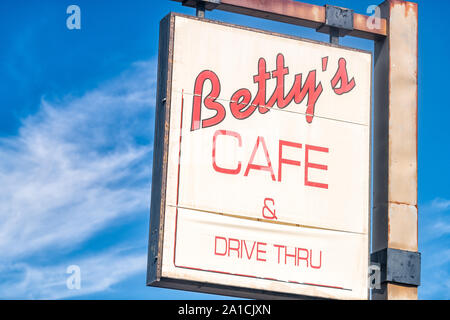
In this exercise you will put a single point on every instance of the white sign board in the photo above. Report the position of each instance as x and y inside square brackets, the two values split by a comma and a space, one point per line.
[266, 164]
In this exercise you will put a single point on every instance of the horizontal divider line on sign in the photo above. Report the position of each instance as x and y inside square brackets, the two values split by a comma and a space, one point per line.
[265, 220]
[265, 278]
[289, 111]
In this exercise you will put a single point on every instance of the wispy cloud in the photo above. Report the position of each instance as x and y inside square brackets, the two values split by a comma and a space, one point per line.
[437, 205]
[77, 166]
[435, 216]
[97, 273]
[434, 236]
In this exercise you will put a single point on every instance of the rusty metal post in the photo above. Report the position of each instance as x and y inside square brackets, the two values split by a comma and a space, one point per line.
[293, 12]
[395, 213]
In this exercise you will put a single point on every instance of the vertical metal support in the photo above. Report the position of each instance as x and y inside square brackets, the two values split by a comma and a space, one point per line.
[338, 23]
[200, 9]
[334, 36]
[201, 5]
[395, 212]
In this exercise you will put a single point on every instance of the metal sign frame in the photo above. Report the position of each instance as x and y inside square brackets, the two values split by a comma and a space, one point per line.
[395, 210]
[161, 158]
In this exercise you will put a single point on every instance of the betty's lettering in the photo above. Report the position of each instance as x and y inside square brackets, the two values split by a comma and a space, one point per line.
[241, 104]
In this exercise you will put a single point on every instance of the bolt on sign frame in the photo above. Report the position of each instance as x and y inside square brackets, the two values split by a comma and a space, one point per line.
[395, 211]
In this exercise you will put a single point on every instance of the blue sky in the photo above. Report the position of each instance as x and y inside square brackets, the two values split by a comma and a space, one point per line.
[76, 139]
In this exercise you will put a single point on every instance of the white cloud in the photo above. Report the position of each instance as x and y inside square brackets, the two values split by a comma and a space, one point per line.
[434, 229]
[434, 219]
[97, 273]
[77, 166]
[435, 274]
[439, 205]
[441, 228]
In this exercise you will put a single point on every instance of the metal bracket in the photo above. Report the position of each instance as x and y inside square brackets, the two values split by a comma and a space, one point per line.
[208, 4]
[398, 266]
[201, 6]
[338, 22]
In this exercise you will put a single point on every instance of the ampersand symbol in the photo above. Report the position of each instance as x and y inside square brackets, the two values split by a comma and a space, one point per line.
[272, 215]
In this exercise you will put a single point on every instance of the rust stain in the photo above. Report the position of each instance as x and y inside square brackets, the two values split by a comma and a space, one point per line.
[360, 22]
[402, 203]
[305, 14]
[409, 7]
[318, 13]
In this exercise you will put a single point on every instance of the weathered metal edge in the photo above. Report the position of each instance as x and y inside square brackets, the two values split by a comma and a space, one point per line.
[227, 290]
[297, 13]
[266, 32]
[160, 150]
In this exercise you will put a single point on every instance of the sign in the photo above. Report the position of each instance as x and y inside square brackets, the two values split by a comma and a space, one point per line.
[261, 172]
